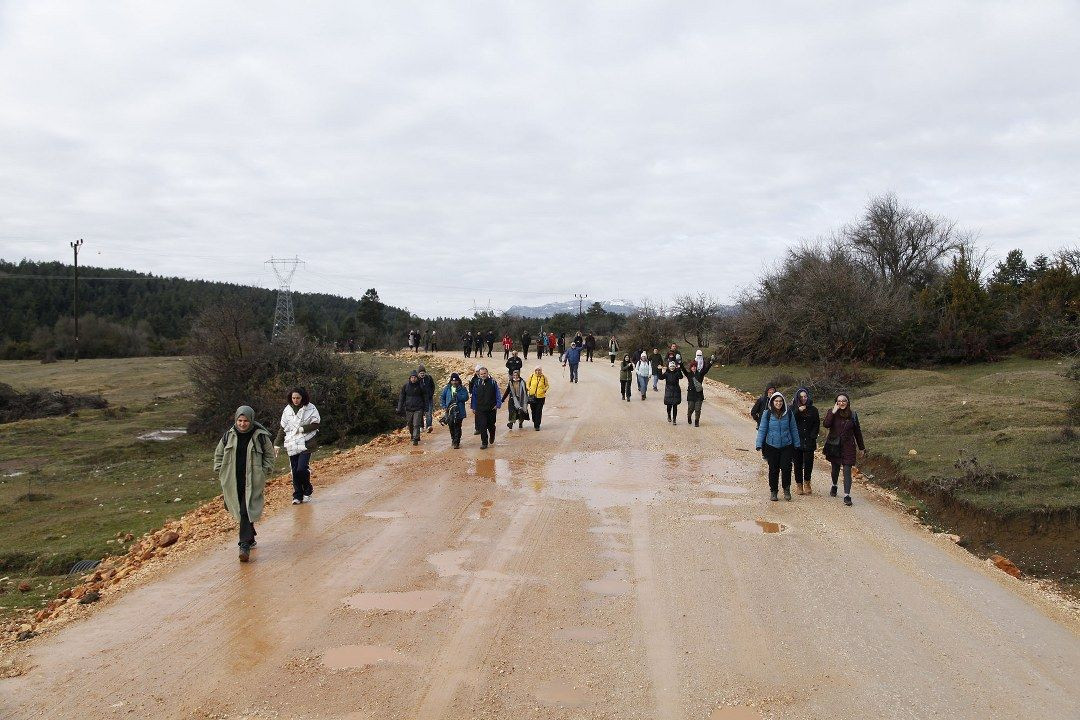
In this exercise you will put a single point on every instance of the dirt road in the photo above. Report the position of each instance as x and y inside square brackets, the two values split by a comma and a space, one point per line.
[608, 566]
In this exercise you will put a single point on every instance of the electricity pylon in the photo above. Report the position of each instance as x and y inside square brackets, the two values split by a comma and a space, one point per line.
[284, 269]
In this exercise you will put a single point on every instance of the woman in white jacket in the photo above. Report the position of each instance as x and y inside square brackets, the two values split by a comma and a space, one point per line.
[643, 369]
[299, 426]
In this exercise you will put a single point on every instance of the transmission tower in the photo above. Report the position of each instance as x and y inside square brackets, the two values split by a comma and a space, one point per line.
[284, 269]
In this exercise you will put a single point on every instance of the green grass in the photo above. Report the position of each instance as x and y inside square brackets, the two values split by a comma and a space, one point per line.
[91, 476]
[1008, 414]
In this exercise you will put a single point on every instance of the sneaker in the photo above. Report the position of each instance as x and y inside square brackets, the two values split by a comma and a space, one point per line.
[430, 428]
[253, 543]
[787, 494]
[832, 493]
[697, 424]
[245, 553]
[536, 427]
[773, 497]
[307, 498]
[847, 500]
[415, 442]
[295, 501]
[510, 426]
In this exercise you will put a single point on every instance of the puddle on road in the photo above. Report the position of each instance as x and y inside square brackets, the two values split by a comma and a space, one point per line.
[385, 514]
[359, 656]
[411, 601]
[613, 583]
[495, 470]
[717, 501]
[485, 508]
[735, 713]
[560, 693]
[587, 635]
[448, 562]
[417, 452]
[758, 527]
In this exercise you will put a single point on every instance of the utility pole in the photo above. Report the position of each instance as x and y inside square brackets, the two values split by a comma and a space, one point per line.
[284, 269]
[75, 306]
[580, 300]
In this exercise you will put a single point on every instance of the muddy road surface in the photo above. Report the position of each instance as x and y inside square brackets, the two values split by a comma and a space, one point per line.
[610, 565]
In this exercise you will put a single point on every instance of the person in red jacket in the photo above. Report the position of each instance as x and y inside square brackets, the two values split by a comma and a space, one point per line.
[552, 341]
[508, 345]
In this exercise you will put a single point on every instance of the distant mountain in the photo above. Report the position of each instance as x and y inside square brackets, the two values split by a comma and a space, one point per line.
[619, 307]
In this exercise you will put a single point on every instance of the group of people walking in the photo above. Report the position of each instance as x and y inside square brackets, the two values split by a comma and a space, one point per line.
[483, 396]
[787, 438]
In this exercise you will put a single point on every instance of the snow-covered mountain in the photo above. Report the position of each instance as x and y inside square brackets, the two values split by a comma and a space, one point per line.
[621, 307]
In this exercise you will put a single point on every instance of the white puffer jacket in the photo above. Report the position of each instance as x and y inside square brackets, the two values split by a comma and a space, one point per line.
[292, 423]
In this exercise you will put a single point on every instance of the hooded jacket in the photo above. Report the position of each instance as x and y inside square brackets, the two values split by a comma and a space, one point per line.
[672, 389]
[626, 371]
[460, 397]
[808, 421]
[759, 406]
[259, 464]
[844, 425]
[413, 396]
[644, 368]
[778, 432]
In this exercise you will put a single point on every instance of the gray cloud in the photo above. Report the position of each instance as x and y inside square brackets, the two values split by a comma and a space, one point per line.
[626, 150]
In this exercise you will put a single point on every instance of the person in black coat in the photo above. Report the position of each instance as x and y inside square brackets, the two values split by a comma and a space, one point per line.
[695, 389]
[428, 384]
[490, 338]
[809, 423]
[526, 341]
[514, 363]
[672, 390]
[761, 403]
[411, 403]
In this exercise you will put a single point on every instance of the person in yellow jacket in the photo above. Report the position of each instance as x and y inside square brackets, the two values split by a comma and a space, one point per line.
[537, 387]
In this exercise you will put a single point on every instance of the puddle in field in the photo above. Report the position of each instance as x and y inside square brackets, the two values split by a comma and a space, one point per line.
[448, 562]
[760, 526]
[485, 508]
[163, 435]
[561, 693]
[735, 713]
[717, 501]
[359, 656]
[412, 601]
[614, 582]
[587, 635]
[385, 514]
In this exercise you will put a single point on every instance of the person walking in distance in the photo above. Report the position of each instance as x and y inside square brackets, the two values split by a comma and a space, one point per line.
[411, 404]
[478, 343]
[453, 399]
[490, 339]
[517, 397]
[540, 340]
[626, 378]
[296, 433]
[657, 365]
[243, 459]
[579, 339]
[844, 443]
[486, 400]
[695, 387]
[809, 424]
[552, 342]
[573, 358]
[643, 370]
[777, 439]
[537, 387]
[466, 342]
[761, 403]
[590, 346]
[434, 342]
[612, 349]
[429, 396]
[562, 345]
[508, 345]
[672, 390]
[526, 342]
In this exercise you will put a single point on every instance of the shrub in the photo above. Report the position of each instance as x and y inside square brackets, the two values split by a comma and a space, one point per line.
[39, 403]
[833, 378]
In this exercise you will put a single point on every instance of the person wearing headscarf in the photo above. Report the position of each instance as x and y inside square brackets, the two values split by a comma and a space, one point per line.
[411, 403]
[809, 422]
[777, 439]
[517, 395]
[612, 349]
[454, 399]
[643, 370]
[299, 425]
[695, 387]
[244, 457]
[537, 387]
[672, 390]
[843, 443]
[626, 377]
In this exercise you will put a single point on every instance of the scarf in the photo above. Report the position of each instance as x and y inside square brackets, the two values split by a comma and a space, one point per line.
[518, 393]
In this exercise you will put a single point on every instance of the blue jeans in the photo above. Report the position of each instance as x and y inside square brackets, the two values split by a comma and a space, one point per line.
[301, 476]
[573, 372]
[429, 406]
[655, 380]
[643, 384]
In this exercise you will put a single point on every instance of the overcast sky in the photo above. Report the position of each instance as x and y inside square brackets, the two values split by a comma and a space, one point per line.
[520, 155]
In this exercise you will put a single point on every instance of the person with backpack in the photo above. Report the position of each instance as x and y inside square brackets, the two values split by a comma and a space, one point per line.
[537, 387]
[695, 387]
[612, 349]
[411, 404]
[508, 345]
[516, 395]
[777, 439]
[243, 459]
[761, 403]
[626, 378]
[526, 342]
[573, 358]
[298, 427]
[429, 398]
[843, 443]
[453, 399]
[643, 370]
[809, 423]
[672, 390]
[486, 401]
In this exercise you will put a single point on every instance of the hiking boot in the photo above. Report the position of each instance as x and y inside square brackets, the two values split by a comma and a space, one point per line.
[799, 489]
[307, 498]
[697, 423]
[773, 497]
[832, 493]
[430, 428]
[847, 500]
[245, 553]
[415, 442]
[787, 494]
[483, 446]
[510, 425]
[807, 484]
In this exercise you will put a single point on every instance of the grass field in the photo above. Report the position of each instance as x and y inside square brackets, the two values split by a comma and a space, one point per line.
[1009, 415]
[70, 485]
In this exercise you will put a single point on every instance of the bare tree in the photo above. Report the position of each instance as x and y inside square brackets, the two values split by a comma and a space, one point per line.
[902, 245]
[695, 315]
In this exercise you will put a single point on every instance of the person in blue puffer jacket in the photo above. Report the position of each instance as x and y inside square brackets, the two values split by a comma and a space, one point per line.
[777, 438]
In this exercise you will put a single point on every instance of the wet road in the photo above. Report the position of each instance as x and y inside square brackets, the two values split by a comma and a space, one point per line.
[608, 566]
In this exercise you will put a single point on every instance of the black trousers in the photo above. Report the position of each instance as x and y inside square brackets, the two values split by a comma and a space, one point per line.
[624, 388]
[588, 353]
[537, 407]
[779, 460]
[247, 528]
[491, 346]
[485, 421]
[804, 464]
[455, 431]
[672, 412]
[301, 475]
[525, 349]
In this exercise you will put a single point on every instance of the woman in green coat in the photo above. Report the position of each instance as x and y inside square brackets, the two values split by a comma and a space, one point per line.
[243, 458]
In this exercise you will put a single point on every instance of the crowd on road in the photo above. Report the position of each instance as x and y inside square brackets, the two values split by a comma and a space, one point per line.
[787, 433]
